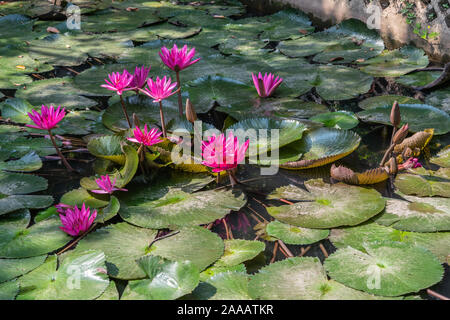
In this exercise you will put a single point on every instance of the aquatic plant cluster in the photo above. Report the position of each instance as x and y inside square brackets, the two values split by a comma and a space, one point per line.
[170, 97]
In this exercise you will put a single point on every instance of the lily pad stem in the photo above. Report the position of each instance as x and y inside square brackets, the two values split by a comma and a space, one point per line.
[63, 159]
[163, 124]
[124, 109]
[180, 101]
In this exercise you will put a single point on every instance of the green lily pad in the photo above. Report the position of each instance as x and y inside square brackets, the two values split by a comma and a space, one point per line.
[396, 63]
[437, 242]
[16, 109]
[417, 214]
[418, 116]
[442, 158]
[238, 251]
[418, 79]
[28, 163]
[9, 290]
[176, 209]
[78, 276]
[286, 24]
[18, 241]
[170, 31]
[424, 183]
[321, 146]
[439, 99]
[112, 240]
[14, 189]
[167, 280]
[224, 286]
[110, 293]
[288, 131]
[107, 147]
[385, 268]
[12, 268]
[295, 235]
[325, 205]
[56, 91]
[79, 196]
[214, 270]
[300, 279]
[18, 146]
[386, 100]
[340, 119]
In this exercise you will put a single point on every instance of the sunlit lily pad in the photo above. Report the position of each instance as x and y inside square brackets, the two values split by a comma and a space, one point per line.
[325, 205]
[107, 147]
[295, 235]
[417, 214]
[386, 100]
[300, 279]
[418, 79]
[18, 241]
[28, 163]
[287, 24]
[321, 146]
[340, 119]
[18, 146]
[112, 239]
[418, 117]
[16, 109]
[439, 99]
[437, 242]
[78, 276]
[12, 268]
[385, 268]
[424, 183]
[396, 62]
[238, 251]
[166, 280]
[79, 196]
[224, 286]
[442, 158]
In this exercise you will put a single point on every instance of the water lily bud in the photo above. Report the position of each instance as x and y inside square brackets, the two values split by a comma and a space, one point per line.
[395, 115]
[191, 116]
[401, 134]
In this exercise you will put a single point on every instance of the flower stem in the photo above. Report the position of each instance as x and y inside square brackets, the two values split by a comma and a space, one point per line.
[64, 161]
[180, 101]
[125, 111]
[163, 124]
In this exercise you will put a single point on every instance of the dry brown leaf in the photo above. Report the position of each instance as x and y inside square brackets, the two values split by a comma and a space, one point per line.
[418, 140]
[52, 30]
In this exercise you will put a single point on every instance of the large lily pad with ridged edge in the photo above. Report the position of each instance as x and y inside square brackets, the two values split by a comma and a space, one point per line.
[321, 146]
[74, 275]
[386, 100]
[166, 280]
[288, 131]
[417, 214]
[295, 235]
[395, 63]
[385, 268]
[178, 208]
[423, 183]
[230, 285]
[196, 244]
[325, 205]
[418, 116]
[300, 279]
[122, 244]
[437, 242]
[107, 147]
[12, 268]
[18, 241]
[238, 251]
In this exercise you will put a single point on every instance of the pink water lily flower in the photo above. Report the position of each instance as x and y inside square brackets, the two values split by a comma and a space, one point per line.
[221, 153]
[77, 221]
[139, 78]
[266, 85]
[119, 82]
[147, 138]
[159, 89]
[178, 59]
[106, 186]
[47, 119]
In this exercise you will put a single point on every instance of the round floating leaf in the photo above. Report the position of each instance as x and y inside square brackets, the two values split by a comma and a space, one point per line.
[16, 109]
[385, 268]
[110, 293]
[417, 214]
[196, 244]
[29, 162]
[178, 208]
[78, 276]
[107, 147]
[396, 63]
[386, 100]
[18, 241]
[286, 24]
[56, 91]
[340, 120]
[12, 268]
[437, 242]
[122, 244]
[224, 286]
[418, 79]
[167, 280]
[439, 99]
[288, 131]
[9, 290]
[442, 158]
[238, 251]
[424, 183]
[295, 235]
[18, 146]
[325, 205]
[418, 116]
[79, 196]
[322, 146]
[300, 279]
